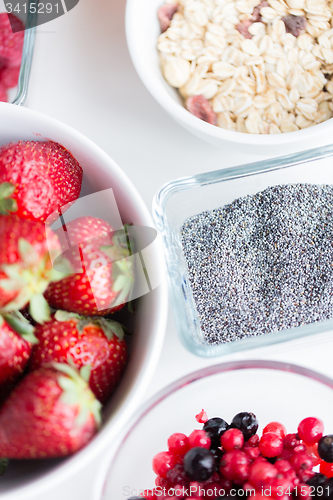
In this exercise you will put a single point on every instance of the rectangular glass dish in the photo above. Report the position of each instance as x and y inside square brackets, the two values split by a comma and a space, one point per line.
[189, 196]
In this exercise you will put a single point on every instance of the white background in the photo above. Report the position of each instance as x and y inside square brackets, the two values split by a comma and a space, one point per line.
[82, 74]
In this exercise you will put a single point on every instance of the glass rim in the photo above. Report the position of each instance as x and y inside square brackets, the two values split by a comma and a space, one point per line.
[195, 376]
[231, 173]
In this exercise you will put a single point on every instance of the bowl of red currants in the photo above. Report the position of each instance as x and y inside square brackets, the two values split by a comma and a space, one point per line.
[258, 429]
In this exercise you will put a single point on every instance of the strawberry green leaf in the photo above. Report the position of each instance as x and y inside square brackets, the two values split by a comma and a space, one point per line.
[111, 328]
[3, 465]
[19, 302]
[1, 320]
[39, 308]
[21, 326]
[76, 392]
[65, 316]
[6, 190]
[27, 252]
[61, 269]
[85, 372]
[7, 204]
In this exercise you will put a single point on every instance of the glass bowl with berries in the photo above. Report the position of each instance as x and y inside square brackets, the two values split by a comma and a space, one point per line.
[80, 327]
[239, 429]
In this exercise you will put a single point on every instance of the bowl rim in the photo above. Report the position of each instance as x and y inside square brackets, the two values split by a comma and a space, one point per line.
[190, 378]
[177, 111]
[177, 294]
[102, 439]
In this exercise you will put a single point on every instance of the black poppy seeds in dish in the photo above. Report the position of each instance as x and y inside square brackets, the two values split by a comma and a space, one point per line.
[262, 263]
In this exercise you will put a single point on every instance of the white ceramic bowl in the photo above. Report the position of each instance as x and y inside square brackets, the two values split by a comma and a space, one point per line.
[27, 479]
[142, 30]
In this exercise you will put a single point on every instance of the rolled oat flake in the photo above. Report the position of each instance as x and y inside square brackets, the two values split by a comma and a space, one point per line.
[262, 263]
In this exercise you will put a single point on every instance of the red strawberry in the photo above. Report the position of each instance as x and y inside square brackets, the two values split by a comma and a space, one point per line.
[26, 249]
[50, 413]
[3, 93]
[44, 177]
[11, 44]
[95, 342]
[16, 336]
[104, 275]
[9, 77]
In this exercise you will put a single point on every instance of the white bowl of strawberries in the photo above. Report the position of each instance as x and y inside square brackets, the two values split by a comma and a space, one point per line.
[68, 378]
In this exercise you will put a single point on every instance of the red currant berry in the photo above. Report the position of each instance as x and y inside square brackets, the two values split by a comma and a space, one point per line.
[235, 465]
[312, 451]
[286, 454]
[199, 438]
[290, 441]
[232, 439]
[260, 472]
[253, 441]
[178, 443]
[251, 451]
[305, 475]
[291, 475]
[326, 468]
[301, 461]
[310, 430]
[270, 445]
[276, 428]
[282, 466]
[299, 447]
[163, 462]
[162, 483]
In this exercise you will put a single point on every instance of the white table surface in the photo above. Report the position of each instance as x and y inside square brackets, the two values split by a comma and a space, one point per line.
[82, 74]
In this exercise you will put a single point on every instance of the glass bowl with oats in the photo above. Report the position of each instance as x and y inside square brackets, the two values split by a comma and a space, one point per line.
[249, 252]
[254, 72]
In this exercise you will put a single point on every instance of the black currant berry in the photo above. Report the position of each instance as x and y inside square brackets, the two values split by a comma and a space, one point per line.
[215, 427]
[245, 422]
[199, 464]
[328, 488]
[325, 448]
[217, 454]
[317, 480]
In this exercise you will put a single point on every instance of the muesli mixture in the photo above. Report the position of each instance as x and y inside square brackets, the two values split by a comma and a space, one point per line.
[249, 66]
